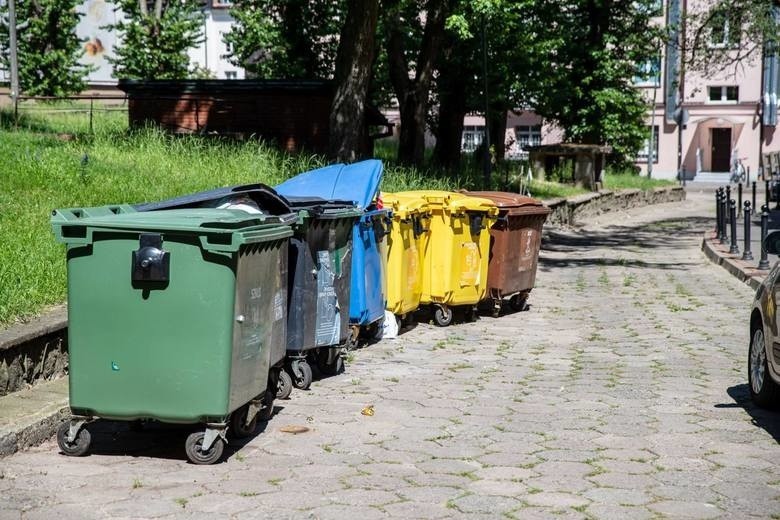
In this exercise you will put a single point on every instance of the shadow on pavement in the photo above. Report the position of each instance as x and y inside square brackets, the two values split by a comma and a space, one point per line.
[156, 440]
[769, 420]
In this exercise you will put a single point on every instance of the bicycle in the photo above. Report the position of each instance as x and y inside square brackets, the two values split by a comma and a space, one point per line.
[737, 171]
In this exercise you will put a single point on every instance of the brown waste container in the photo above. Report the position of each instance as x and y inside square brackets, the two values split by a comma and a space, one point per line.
[515, 240]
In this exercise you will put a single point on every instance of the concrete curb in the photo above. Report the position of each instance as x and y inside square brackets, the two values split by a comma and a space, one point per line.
[32, 416]
[717, 253]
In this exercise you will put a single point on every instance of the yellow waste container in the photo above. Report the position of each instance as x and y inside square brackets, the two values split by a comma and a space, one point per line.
[456, 253]
[405, 246]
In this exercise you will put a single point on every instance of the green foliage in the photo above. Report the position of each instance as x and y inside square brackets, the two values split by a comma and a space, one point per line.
[49, 49]
[583, 58]
[287, 38]
[155, 36]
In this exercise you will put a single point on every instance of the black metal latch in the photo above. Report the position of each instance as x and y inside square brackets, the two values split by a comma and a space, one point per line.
[475, 223]
[150, 262]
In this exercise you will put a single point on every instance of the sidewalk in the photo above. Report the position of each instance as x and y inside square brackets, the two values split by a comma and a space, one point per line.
[717, 252]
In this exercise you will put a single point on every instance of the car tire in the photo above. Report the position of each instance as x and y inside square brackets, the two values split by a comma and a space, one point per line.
[764, 391]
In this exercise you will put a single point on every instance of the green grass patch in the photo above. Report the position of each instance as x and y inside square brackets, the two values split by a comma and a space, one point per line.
[624, 181]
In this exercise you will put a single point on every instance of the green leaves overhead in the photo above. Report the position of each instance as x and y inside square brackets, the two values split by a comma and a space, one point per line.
[155, 36]
[48, 47]
[286, 38]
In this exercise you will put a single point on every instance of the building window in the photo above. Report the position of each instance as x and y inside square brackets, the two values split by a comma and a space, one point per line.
[650, 8]
[472, 138]
[723, 94]
[724, 29]
[528, 136]
[648, 73]
[231, 74]
[221, 4]
[644, 153]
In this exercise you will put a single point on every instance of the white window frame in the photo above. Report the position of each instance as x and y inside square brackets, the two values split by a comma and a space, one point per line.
[221, 4]
[531, 134]
[723, 95]
[645, 68]
[472, 138]
[231, 74]
[725, 42]
[643, 154]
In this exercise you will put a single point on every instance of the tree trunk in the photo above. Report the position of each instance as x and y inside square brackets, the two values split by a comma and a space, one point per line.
[497, 128]
[412, 94]
[452, 110]
[352, 75]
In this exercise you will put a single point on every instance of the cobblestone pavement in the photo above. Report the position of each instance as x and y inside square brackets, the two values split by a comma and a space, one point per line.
[621, 393]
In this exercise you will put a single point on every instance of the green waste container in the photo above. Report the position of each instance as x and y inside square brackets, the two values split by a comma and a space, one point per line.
[176, 316]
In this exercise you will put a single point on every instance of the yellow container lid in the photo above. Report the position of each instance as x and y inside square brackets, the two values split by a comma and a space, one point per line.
[454, 202]
[405, 206]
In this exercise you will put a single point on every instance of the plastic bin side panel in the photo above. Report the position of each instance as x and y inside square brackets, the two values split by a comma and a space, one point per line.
[440, 259]
[150, 350]
[404, 269]
[261, 302]
[515, 253]
[301, 297]
[367, 296]
[469, 275]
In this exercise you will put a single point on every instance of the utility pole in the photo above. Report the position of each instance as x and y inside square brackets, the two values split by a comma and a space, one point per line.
[13, 57]
[486, 140]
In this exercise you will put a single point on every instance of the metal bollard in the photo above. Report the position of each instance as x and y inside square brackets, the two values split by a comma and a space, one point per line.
[747, 254]
[766, 193]
[717, 213]
[734, 249]
[723, 236]
[739, 200]
[723, 214]
[764, 262]
[754, 195]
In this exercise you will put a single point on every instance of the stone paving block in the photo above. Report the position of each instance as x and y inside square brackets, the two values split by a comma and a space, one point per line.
[680, 509]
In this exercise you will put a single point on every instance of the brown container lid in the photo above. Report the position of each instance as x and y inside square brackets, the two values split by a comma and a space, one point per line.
[509, 201]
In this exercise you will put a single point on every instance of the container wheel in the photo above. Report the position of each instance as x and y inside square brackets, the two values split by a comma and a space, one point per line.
[80, 444]
[285, 385]
[333, 368]
[304, 381]
[442, 315]
[267, 411]
[518, 301]
[195, 453]
[238, 425]
[495, 312]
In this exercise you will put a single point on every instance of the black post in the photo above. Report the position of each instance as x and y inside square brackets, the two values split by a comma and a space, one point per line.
[717, 213]
[723, 211]
[739, 200]
[764, 262]
[754, 194]
[747, 254]
[734, 249]
[728, 201]
[766, 193]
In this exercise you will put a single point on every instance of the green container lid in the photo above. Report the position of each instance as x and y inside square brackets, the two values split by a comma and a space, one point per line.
[218, 229]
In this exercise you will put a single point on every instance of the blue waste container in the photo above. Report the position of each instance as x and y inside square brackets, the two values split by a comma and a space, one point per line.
[358, 182]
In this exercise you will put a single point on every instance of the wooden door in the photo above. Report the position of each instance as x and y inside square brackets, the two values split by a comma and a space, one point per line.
[721, 149]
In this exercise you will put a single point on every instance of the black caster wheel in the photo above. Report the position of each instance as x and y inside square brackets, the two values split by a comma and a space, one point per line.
[285, 385]
[79, 446]
[194, 448]
[304, 381]
[517, 302]
[238, 425]
[268, 407]
[333, 368]
[442, 315]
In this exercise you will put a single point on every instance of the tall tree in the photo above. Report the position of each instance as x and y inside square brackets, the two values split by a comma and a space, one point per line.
[286, 38]
[48, 47]
[353, 72]
[411, 70]
[155, 36]
[586, 54]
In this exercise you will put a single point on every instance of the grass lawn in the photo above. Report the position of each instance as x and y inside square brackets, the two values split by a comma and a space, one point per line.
[42, 168]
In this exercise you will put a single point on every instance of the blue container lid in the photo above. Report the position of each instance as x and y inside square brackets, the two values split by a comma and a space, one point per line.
[358, 182]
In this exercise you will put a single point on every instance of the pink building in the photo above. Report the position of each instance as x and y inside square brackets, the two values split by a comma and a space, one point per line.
[725, 112]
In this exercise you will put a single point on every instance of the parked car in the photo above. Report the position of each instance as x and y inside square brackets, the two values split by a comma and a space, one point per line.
[764, 351]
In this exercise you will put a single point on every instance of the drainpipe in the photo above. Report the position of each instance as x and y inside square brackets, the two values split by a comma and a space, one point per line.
[651, 151]
[683, 12]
